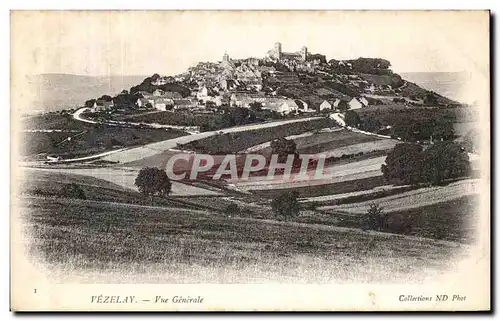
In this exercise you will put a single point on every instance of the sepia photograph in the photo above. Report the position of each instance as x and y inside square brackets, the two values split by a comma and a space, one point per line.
[250, 160]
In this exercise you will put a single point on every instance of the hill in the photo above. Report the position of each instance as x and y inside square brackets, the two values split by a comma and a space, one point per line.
[55, 92]
[448, 84]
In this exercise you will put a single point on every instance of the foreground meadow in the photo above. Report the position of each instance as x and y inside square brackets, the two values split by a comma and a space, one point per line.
[111, 242]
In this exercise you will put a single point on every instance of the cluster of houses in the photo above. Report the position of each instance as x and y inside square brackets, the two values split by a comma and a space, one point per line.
[238, 83]
[165, 100]
[281, 105]
[346, 103]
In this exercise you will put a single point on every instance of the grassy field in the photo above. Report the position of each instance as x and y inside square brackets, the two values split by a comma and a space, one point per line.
[53, 121]
[91, 140]
[53, 184]
[100, 242]
[453, 220]
[415, 198]
[238, 141]
[326, 189]
[327, 141]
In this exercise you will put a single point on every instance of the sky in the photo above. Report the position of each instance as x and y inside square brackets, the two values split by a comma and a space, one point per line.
[103, 43]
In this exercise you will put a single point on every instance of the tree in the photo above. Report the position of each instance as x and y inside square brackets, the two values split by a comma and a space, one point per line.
[443, 129]
[375, 217]
[371, 125]
[430, 98]
[256, 106]
[343, 106]
[284, 147]
[286, 204]
[89, 103]
[153, 181]
[239, 116]
[106, 98]
[404, 164]
[352, 118]
[445, 160]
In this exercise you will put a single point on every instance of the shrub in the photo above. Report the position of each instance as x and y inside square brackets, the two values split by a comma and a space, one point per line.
[375, 217]
[284, 147]
[286, 204]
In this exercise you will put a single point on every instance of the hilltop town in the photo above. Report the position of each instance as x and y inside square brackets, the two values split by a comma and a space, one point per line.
[281, 82]
[400, 165]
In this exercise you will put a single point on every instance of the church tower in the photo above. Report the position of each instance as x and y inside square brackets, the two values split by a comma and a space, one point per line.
[303, 53]
[225, 57]
[277, 50]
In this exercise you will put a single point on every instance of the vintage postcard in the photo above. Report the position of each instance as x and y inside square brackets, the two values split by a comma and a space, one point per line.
[250, 160]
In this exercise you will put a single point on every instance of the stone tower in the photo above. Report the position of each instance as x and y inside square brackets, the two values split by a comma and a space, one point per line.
[303, 53]
[225, 57]
[277, 50]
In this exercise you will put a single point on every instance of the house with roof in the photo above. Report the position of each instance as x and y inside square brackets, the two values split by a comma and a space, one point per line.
[220, 100]
[356, 103]
[205, 94]
[240, 100]
[141, 102]
[281, 105]
[228, 84]
[364, 101]
[288, 106]
[325, 105]
[101, 105]
[161, 103]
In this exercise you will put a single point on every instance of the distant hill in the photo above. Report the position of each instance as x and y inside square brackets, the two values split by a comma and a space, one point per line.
[62, 91]
[448, 84]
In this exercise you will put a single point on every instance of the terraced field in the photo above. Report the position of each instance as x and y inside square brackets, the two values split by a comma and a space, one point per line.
[413, 199]
[351, 171]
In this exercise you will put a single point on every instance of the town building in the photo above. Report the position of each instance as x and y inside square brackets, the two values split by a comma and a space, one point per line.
[364, 101]
[325, 105]
[303, 106]
[141, 102]
[101, 105]
[356, 103]
[277, 54]
[161, 103]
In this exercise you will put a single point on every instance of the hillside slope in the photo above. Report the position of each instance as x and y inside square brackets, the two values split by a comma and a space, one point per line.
[94, 241]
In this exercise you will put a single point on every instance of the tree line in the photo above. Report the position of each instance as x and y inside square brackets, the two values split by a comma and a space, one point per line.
[409, 164]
